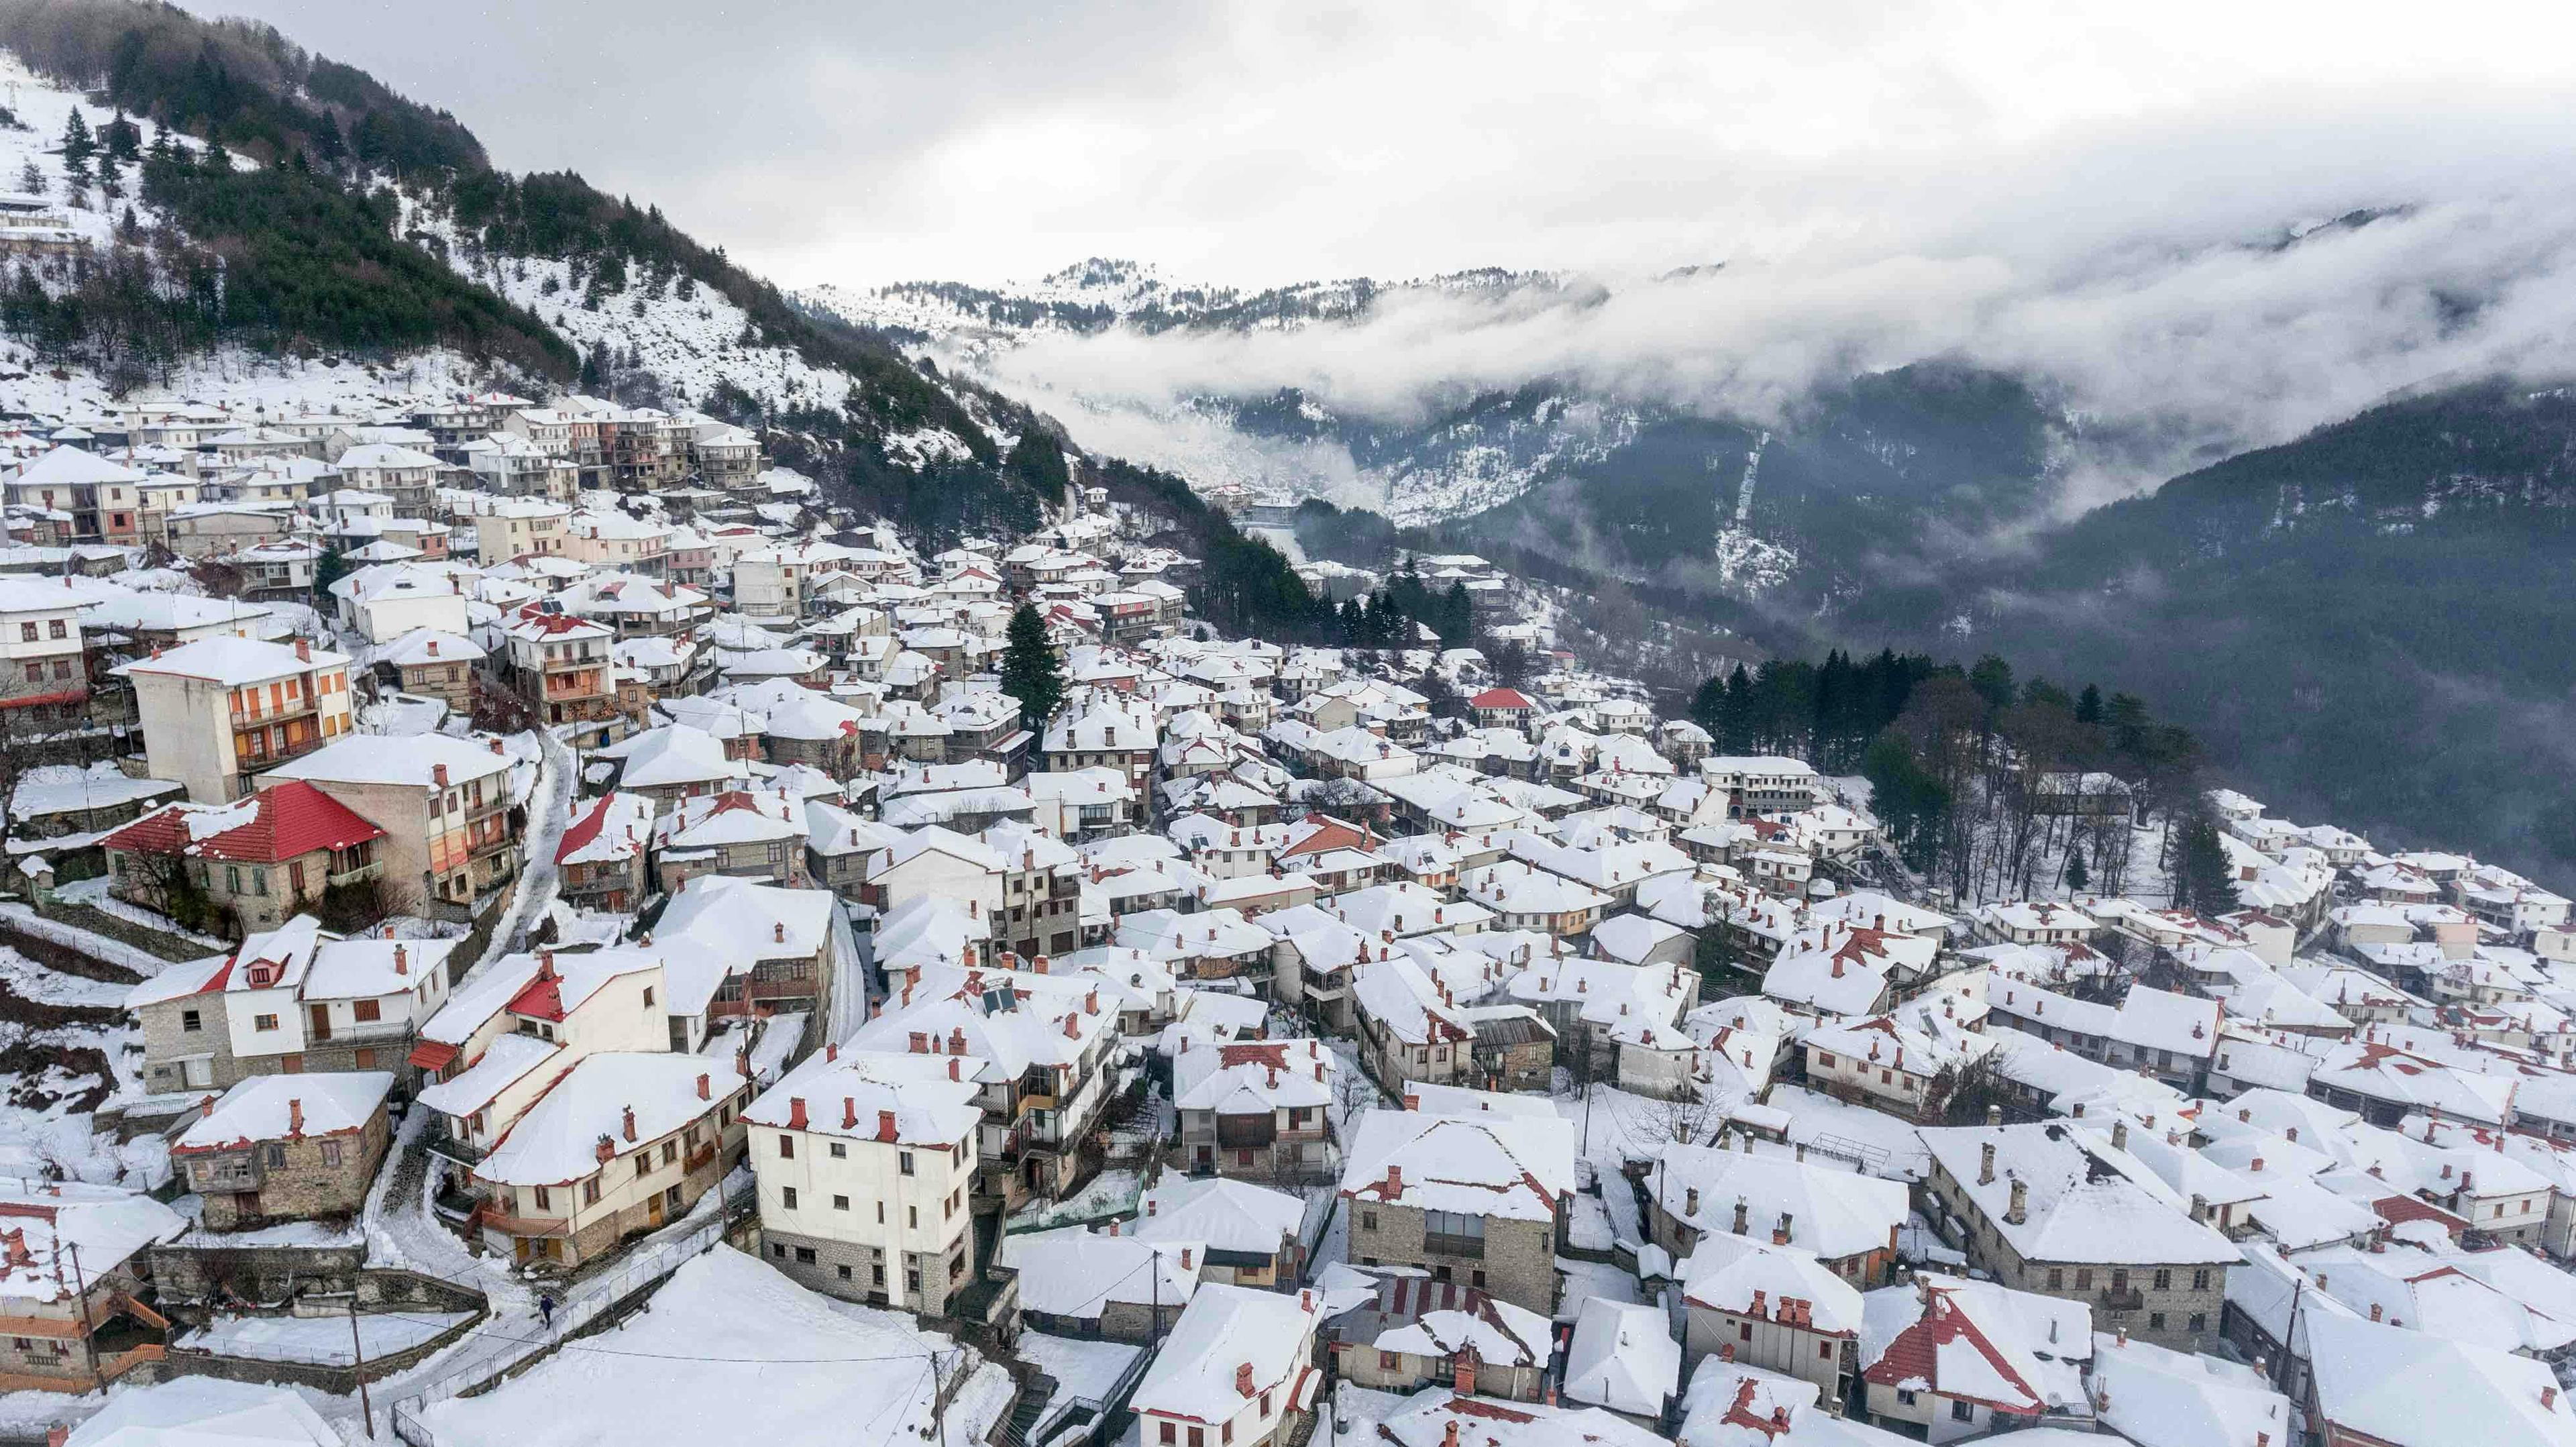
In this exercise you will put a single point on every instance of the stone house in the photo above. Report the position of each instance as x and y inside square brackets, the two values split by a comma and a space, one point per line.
[1518, 1170]
[260, 861]
[287, 1148]
[622, 1143]
[600, 859]
[1416, 1334]
[1260, 1110]
[2060, 1210]
[1102, 1285]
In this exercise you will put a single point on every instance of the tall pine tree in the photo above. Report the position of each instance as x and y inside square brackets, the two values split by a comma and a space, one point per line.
[1029, 669]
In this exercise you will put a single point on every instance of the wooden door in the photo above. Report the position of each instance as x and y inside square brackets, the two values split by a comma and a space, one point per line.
[653, 1209]
[321, 1022]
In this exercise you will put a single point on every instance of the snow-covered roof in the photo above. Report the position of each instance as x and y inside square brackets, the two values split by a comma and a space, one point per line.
[1506, 1167]
[2085, 1200]
[288, 1107]
[233, 661]
[557, 1140]
[1224, 1330]
[1624, 1356]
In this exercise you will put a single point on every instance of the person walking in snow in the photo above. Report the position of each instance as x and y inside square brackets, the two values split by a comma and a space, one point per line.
[546, 1309]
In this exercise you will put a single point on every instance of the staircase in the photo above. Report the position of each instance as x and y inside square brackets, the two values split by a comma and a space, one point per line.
[1037, 1389]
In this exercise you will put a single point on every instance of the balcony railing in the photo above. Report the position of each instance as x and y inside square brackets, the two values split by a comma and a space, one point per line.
[293, 708]
[368, 870]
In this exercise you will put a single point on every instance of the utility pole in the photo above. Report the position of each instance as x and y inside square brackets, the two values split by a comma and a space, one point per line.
[89, 1329]
[358, 1354]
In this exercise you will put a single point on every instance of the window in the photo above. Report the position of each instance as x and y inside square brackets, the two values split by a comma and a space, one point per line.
[670, 1152]
[590, 1192]
[1453, 1233]
[2199, 1322]
[1905, 1396]
[263, 1022]
[1825, 1351]
[1744, 1331]
[840, 1151]
[1368, 1220]
[2084, 1278]
[778, 1249]
[1225, 1432]
[1385, 1363]
[1198, 1437]
[2155, 1321]
[545, 1201]
[805, 1255]
[35, 673]
[840, 1203]
[845, 1273]
[912, 1217]
[2200, 1278]
[54, 629]
[788, 1195]
[330, 1153]
[2164, 1279]
[2056, 1278]
[367, 1011]
[787, 1148]
[1963, 1412]
[643, 1164]
[191, 1021]
[1166, 1435]
[2119, 1278]
[903, 1161]
[648, 997]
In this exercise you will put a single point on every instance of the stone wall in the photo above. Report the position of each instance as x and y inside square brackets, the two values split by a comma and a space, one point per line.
[1519, 1264]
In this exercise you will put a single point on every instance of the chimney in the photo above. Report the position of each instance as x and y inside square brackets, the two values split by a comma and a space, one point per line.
[2549, 1398]
[303, 651]
[438, 775]
[1243, 1379]
[1449, 1438]
[295, 1115]
[1465, 1372]
[1412, 1101]
[402, 965]
[1780, 1233]
[778, 932]
[920, 1043]
[2119, 1135]
[1394, 1181]
[1152, 1206]
[1690, 1201]
[796, 1112]
[952, 1067]
[630, 1122]
[1742, 1225]
[1726, 1351]
[1072, 1027]
[702, 1086]
[831, 1052]
[1185, 1266]
[1994, 1115]
[2019, 1211]
[885, 1126]
[1986, 1164]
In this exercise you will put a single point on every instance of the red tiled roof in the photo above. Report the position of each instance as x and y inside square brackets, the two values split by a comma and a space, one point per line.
[1501, 698]
[294, 819]
[2397, 1210]
[584, 829]
[1915, 1356]
[541, 999]
[432, 1055]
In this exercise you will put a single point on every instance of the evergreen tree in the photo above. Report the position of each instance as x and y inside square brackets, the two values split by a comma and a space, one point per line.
[1992, 678]
[31, 179]
[2204, 881]
[1030, 672]
[2077, 877]
[2088, 705]
[78, 146]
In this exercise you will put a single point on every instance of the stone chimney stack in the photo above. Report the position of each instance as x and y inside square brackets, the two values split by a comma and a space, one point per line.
[2019, 1211]
[1986, 1164]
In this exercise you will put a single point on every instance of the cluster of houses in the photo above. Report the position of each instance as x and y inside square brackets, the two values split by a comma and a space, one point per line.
[1490, 1058]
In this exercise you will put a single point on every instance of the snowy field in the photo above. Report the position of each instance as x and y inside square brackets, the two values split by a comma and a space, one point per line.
[731, 1351]
[323, 1339]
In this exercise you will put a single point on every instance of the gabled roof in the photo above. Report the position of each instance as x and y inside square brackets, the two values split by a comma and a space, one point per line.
[269, 827]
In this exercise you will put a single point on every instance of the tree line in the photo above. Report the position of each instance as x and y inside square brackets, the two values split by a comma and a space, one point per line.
[1988, 786]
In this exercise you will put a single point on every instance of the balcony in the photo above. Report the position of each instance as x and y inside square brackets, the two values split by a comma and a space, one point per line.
[2129, 1300]
[357, 874]
[698, 1159]
[262, 717]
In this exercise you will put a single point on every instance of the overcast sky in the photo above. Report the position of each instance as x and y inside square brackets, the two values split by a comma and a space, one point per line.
[1253, 141]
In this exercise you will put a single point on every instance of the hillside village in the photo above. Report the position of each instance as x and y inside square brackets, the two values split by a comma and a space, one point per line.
[528, 917]
[486, 870]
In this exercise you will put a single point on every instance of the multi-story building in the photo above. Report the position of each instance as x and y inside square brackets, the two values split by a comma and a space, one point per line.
[1036, 1063]
[1257, 1109]
[866, 1161]
[287, 1148]
[219, 711]
[408, 477]
[444, 804]
[2059, 1210]
[71, 1333]
[261, 861]
[620, 1144]
[506, 528]
[615, 541]
[559, 666]
[1238, 1370]
[294, 999]
[600, 860]
[1480, 1201]
[728, 458]
[43, 680]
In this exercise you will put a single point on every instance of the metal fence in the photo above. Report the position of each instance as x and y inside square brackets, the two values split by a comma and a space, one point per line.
[487, 1360]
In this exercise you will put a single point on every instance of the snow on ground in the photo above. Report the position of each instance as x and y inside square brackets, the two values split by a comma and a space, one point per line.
[52, 987]
[730, 1350]
[93, 892]
[1585, 1280]
[318, 1339]
[549, 799]
[284, 1233]
[1114, 1190]
[89, 942]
